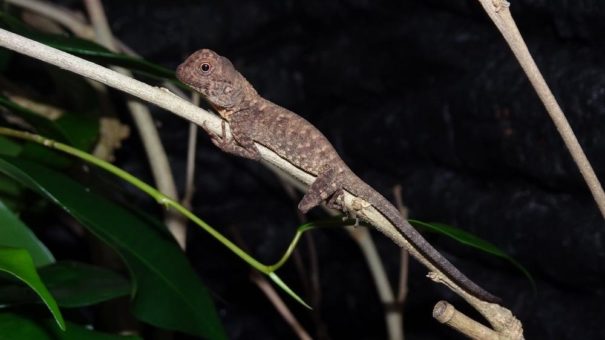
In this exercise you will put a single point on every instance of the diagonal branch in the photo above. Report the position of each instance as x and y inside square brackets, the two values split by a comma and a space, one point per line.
[500, 14]
[499, 317]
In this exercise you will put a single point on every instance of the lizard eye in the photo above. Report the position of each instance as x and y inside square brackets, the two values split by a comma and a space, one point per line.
[205, 67]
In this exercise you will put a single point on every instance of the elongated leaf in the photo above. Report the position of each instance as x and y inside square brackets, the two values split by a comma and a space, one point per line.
[44, 155]
[72, 284]
[75, 130]
[472, 241]
[18, 263]
[8, 147]
[87, 49]
[15, 234]
[9, 189]
[168, 293]
[76, 284]
[19, 327]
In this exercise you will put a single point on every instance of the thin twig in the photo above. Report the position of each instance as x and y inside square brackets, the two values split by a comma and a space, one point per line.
[393, 316]
[191, 148]
[498, 11]
[64, 16]
[314, 278]
[263, 284]
[309, 276]
[279, 304]
[404, 262]
[447, 314]
[404, 267]
[156, 154]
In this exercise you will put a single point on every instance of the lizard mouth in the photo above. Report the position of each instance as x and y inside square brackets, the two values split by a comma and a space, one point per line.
[187, 76]
[182, 74]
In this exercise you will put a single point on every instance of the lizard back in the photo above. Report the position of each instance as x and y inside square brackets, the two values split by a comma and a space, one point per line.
[293, 138]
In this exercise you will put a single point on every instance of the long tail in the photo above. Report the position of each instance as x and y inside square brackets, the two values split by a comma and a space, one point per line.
[364, 191]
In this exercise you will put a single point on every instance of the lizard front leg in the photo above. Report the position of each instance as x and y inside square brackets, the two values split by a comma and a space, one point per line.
[240, 145]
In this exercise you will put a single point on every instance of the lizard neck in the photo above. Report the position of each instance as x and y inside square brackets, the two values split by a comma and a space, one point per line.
[247, 99]
[250, 104]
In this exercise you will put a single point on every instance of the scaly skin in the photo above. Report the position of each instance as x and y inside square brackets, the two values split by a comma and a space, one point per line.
[255, 119]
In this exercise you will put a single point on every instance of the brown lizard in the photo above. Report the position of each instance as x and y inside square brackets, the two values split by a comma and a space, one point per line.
[253, 119]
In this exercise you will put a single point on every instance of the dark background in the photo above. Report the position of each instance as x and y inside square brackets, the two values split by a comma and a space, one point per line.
[425, 94]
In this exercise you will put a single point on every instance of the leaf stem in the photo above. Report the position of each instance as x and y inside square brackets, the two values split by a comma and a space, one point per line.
[171, 203]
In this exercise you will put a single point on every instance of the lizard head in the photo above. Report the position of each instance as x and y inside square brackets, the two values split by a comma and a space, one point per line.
[214, 77]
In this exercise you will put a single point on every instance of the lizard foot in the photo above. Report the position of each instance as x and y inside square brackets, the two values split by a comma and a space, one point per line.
[209, 131]
[336, 200]
[219, 140]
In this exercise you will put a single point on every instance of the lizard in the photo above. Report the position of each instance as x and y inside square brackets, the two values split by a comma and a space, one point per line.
[254, 119]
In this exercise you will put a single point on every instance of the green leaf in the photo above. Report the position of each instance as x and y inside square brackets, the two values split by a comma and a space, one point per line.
[278, 281]
[473, 241]
[9, 189]
[8, 147]
[168, 293]
[19, 327]
[72, 284]
[15, 234]
[76, 130]
[44, 155]
[76, 93]
[88, 50]
[76, 284]
[11, 194]
[18, 263]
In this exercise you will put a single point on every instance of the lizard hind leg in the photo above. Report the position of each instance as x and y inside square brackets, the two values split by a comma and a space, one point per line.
[325, 186]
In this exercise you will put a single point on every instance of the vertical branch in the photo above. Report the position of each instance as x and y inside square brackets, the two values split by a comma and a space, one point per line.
[500, 14]
[404, 265]
[158, 160]
[191, 148]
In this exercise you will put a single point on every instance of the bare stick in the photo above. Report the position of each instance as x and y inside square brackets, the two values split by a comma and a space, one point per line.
[263, 284]
[447, 314]
[191, 147]
[500, 14]
[405, 257]
[499, 317]
[393, 316]
[62, 15]
[156, 155]
[279, 304]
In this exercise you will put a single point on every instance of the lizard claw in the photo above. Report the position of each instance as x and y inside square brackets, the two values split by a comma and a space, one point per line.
[207, 129]
[335, 201]
[218, 140]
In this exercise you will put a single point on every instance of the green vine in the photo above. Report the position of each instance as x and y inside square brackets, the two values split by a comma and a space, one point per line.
[169, 203]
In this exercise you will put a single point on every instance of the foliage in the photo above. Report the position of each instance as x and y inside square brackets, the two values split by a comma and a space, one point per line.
[164, 289]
